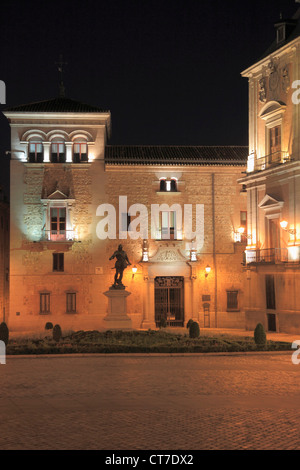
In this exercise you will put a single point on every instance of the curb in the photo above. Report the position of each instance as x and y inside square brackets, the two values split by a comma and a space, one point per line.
[76, 355]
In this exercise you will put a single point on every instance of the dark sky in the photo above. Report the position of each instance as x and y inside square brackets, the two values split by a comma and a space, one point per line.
[168, 70]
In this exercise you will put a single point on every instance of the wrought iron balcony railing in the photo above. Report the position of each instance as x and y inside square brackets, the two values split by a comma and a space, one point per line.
[270, 256]
[268, 161]
[58, 235]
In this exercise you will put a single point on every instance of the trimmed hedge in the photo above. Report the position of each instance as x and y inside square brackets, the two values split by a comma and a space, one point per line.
[4, 333]
[194, 330]
[260, 335]
[57, 334]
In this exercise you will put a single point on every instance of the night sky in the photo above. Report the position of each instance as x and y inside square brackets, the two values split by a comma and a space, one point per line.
[169, 71]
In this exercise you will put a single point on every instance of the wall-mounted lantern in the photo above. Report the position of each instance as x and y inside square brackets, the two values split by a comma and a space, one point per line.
[207, 270]
[134, 270]
[145, 256]
[239, 233]
[284, 224]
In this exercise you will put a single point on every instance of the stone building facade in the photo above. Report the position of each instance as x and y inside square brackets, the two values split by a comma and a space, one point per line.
[63, 171]
[4, 257]
[272, 183]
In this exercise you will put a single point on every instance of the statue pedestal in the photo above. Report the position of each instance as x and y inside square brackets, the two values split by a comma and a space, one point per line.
[117, 318]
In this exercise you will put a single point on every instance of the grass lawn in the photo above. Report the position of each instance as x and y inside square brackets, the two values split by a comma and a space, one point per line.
[150, 341]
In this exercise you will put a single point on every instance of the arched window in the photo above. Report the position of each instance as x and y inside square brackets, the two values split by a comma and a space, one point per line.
[163, 186]
[35, 151]
[80, 151]
[167, 185]
[58, 150]
[173, 184]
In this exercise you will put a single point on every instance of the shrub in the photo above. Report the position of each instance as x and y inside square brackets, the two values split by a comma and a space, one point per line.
[4, 333]
[57, 333]
[189, 323]
[163, 322]
[194, 330]
[260, 335]
[49, 326]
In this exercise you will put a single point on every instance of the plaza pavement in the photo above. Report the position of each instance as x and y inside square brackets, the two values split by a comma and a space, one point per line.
[160, 402]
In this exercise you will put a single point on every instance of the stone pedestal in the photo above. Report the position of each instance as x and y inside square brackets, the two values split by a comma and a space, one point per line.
[117, 318]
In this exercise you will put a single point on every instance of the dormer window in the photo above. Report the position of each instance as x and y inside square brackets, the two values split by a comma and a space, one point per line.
[280, 33]
[80, 151]
[35, 151]
[58, 151]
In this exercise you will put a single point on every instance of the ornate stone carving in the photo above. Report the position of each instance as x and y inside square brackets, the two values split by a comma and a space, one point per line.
[285, 83]
[262, 90]
[167, 254]
[273, 77]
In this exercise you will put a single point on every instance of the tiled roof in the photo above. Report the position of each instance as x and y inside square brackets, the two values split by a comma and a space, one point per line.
[56, 105]
[176, 155]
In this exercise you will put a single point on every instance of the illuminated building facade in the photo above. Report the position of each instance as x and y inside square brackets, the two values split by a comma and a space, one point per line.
[62, 170]
[4, 257]
[272, 183]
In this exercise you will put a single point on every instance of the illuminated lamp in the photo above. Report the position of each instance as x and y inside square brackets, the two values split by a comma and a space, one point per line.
[207, 270]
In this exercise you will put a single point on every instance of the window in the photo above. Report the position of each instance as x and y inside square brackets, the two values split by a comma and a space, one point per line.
[243, 223]
[125, 222]
[58, 152]
[168, 185]
[173, 184]
[58, 262]
[275, 139]
[44, 303]
[232, 300]
[270, 292]
[271, 317]
[280, 34]
[35, 152]
[162, 186]
[71, 302]
[80, 152]
[167, 225]
[58, 223]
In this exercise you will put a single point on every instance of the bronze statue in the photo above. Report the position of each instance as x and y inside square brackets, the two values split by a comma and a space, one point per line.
[121, 264]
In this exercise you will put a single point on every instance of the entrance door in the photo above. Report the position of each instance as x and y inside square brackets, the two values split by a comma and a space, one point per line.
[169, 300]
[271, 321]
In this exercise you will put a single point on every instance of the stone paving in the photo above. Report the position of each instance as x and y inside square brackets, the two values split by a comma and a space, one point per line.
[192, 402]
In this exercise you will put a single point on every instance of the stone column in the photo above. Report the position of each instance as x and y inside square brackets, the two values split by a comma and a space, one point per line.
[151, 303]
[69, 146]
[46, 147]
[147, 323]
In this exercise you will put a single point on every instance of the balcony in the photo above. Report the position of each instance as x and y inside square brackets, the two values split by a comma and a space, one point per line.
[288, 255]
[269, 161]
[58, 236]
